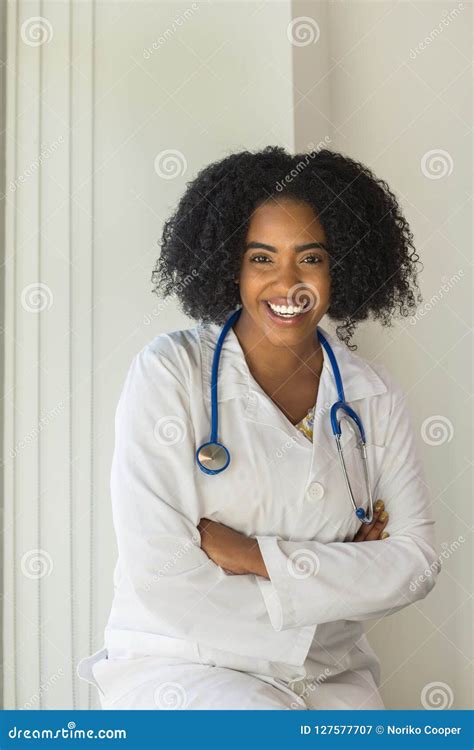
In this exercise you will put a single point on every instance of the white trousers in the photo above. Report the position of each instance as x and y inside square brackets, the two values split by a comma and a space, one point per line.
[155, 683]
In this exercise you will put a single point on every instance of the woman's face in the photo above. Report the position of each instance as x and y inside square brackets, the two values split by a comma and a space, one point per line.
[285, 262]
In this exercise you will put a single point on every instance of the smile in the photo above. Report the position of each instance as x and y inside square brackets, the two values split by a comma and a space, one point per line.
[287, 310]
[286, 313]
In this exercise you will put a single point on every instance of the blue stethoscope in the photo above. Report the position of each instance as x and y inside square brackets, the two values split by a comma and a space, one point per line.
[213, 457]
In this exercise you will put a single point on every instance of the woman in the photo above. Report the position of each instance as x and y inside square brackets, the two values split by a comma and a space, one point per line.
[247, 588]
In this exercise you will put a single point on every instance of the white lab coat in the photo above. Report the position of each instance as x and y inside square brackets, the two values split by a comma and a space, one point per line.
[171, 600]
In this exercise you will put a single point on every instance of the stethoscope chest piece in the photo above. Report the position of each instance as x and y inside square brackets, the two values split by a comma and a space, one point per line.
[212, 457]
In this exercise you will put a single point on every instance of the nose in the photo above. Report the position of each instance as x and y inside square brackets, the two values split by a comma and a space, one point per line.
[288, 276]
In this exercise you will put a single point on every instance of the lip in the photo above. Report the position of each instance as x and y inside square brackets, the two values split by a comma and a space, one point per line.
[284, 322]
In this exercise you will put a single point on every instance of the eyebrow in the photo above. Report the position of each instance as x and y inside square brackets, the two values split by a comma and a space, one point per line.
[298, 248]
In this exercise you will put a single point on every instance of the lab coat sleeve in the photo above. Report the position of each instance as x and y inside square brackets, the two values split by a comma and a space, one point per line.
[167, 585]
[313, 582]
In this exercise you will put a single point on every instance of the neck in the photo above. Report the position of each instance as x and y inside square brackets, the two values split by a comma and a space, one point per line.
[277, 360]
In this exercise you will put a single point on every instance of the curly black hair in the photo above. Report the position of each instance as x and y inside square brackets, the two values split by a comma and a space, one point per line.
[372, 258]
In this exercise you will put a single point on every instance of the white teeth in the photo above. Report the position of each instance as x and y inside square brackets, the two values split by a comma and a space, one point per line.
[287, 310]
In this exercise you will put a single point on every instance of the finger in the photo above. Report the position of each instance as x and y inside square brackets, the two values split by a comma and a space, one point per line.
[204, 525]
[204, 532]
[379, 526]
[366, 528]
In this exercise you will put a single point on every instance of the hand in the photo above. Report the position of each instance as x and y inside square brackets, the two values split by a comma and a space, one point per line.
[370, 532]
[231, 550]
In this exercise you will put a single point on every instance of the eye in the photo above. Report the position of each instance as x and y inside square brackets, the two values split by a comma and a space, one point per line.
[316, 258]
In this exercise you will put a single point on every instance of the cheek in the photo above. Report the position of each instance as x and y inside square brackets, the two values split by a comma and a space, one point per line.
[321, 290]
[325, 285]
[250, 282]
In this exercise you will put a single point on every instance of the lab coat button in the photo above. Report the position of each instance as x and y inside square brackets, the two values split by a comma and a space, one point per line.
[316, 491]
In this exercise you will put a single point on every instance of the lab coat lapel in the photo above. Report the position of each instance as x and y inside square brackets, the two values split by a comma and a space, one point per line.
[360, 381]
[236, 381]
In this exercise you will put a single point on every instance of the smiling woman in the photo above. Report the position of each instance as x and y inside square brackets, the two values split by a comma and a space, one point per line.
[241, 588]
[284, 286]
[366, 242]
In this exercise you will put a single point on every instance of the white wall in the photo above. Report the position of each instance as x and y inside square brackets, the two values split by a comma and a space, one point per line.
[399, 87]
[86, 223]
[219, 82]
[3, 52]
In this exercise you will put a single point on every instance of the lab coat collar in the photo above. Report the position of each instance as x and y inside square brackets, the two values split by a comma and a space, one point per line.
[235, 379]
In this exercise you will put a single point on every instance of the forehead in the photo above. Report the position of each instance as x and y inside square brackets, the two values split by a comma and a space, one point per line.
[285, 218]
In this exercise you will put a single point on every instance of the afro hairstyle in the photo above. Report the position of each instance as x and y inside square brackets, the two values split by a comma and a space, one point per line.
[373, 262]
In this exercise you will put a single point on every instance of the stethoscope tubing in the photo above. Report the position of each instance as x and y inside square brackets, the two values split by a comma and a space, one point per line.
[218, 453]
